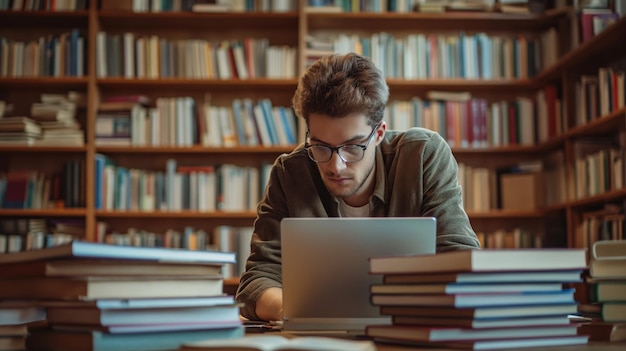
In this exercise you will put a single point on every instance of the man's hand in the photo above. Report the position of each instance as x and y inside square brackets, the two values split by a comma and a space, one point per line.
[269, 306]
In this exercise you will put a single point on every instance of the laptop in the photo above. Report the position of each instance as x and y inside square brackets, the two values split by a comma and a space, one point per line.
[325, 268]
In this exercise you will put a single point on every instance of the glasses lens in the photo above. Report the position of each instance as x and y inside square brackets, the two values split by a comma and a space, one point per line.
[351, 153]
[319, 153]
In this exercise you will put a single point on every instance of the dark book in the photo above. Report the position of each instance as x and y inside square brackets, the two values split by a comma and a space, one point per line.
[485, 277]
[499, 312]
[461, 288]
[603, 331]
[91, 288]
[476, 300]
[480, 323]
[439, 334]
[93, 267]
[162, 316]
[482, 261]
[83, 249]
[46, 339]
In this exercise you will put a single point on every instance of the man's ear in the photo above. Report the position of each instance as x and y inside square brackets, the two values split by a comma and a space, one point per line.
[380, 133]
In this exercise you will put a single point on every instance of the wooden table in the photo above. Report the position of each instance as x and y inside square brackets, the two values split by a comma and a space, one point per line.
[592, 346]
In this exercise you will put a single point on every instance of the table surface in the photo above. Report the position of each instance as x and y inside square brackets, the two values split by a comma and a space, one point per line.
[592, 346]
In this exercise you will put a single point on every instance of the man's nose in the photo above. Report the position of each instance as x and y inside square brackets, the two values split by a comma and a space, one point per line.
[336, 163]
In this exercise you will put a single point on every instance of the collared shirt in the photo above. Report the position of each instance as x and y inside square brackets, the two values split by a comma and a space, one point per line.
[416, 176]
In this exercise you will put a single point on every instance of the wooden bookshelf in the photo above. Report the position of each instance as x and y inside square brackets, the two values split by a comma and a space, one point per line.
[292, 29]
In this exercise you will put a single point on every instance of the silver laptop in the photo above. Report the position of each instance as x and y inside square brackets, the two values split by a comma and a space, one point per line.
[325, 267]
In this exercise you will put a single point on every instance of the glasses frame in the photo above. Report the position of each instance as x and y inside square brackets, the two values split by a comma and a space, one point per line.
[336, 149]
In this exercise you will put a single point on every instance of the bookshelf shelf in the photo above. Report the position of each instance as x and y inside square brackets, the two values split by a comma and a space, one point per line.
[474, 85]
[61, 212]
[427, 21]
[587, 53]
[596, 200]
[42, 149]
[178, 214]
[45, 82]
[518, 150]
[505, 214]
[42, 19]
[599, 126]
[195, 150]
[197, 84]
[205, 21]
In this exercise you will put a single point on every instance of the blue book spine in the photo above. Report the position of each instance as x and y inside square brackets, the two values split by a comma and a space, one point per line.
[266, 106]
[239, 123]
[99, 169]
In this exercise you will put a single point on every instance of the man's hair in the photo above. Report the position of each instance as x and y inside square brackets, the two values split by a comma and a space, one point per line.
[340, 85]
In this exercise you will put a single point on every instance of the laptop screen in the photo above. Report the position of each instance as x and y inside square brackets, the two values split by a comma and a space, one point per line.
[325, 266]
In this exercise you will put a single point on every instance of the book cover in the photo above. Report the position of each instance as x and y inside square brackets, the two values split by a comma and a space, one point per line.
[74, 267]
[480, 323]
[46, 339]
[480, 313]
[83, 249]
[90, 288]
[207, 317]
[476, 300]
[482, 261]
[461, 288]
[438, 334]
[486, 277]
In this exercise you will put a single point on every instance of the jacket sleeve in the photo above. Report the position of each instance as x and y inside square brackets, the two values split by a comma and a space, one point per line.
[443, 197]
[263, 267]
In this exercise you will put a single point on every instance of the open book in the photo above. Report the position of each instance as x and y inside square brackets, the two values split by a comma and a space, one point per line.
[280, 343]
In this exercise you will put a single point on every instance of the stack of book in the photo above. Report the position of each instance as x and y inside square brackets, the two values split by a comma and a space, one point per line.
[56, 115]
[15, 317]
[478, 299]
[605, 296]
[103, 297]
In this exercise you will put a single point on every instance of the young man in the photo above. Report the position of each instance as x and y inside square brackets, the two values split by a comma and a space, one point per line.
[350, 166]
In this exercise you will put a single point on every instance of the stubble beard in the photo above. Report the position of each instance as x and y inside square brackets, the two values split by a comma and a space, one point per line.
[351, 191]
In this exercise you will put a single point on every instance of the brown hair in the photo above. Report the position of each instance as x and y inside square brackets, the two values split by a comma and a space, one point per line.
[339, 85]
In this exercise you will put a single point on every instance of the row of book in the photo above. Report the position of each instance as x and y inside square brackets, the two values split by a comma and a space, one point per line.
[225, 187]
[592, 21]
[43, 5]
[518, 238]
[131, 55]
[52, 121]
[182, 122]
[38, 190]
[479, 299]
[598, 167]
[224, 238]
[469, 56]
[599, 95]
[90, 296]
[32, 234]
[605, 223]
[407, 6]
[462, 120]
[205, 6]
[60, 55]
[473, 122]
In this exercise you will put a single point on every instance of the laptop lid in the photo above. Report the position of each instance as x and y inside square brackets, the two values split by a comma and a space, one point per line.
[325, 267]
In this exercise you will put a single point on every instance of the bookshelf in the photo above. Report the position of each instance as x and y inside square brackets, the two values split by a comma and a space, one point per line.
[557, 221]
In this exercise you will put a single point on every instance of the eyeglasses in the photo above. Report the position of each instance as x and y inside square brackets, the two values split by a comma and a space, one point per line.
[348, 152]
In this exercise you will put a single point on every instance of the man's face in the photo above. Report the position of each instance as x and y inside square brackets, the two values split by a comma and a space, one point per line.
[352, 181]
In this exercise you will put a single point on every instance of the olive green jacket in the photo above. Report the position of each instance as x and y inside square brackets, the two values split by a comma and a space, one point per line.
[416, 175]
